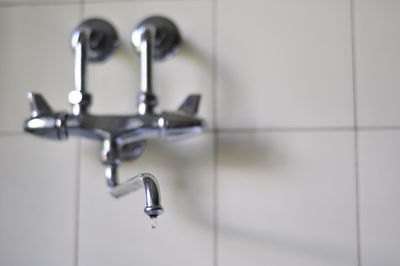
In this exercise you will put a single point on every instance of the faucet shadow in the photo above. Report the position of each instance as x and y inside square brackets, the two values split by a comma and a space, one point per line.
[262, 163]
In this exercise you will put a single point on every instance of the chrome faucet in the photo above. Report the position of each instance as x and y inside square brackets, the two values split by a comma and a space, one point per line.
[123, 136]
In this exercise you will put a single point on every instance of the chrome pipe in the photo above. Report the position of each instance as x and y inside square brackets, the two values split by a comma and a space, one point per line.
[146, 99]
[79, 98]
[80, 62]
[146, 61]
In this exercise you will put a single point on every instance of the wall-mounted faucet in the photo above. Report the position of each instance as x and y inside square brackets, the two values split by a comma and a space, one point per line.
[123, 136]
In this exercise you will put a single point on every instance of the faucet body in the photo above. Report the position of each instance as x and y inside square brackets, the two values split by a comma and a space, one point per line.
[121, 129]
[123, 136]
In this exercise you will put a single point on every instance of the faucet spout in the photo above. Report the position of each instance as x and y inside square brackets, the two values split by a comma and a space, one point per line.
[148, 181]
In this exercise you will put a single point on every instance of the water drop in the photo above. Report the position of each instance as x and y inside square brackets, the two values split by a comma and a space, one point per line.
[153, 222]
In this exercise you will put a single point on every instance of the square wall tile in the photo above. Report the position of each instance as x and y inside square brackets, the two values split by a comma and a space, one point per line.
[378, 62]
[36, 56]
[284, 63]
[116, 83]
[286, 198]
[379, 154]
[37, 201]
[116, 231]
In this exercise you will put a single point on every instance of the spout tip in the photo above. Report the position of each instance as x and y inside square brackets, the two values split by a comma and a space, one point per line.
[154, 211]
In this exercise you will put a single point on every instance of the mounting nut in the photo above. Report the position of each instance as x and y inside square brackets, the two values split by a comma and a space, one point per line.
[78, 97]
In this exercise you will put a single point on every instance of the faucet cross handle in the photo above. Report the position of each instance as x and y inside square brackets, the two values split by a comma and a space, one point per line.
[39, 106]
[44, 122]
[191, 105]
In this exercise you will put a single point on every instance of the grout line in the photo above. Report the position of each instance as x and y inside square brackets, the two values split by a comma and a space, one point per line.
[53, 3]
[78, 177]
[142, 1]
[259, 130]
[82, 4]
[215, 200]
[214, 76]
[281, 129]
[300, 129]
[77, 202]
[214, 68]
[356, 141]
[378, 128]
[357, 196]
[37, 3]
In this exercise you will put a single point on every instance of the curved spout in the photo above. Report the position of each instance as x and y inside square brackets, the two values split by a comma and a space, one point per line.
[148, 181]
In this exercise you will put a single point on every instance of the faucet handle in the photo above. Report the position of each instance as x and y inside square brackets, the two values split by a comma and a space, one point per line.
[191, 104]
[39, 105]
[43, 121]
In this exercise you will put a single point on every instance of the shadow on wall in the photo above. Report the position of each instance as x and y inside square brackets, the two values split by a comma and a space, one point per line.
[247, 165]
[251, 154]
[187, 167]
[189, 163]
[189, 72]
[188, 51]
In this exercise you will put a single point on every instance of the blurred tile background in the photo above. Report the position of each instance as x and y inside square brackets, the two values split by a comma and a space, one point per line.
[299, 165]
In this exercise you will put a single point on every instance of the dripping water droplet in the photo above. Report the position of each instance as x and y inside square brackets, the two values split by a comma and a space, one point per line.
[153, 222]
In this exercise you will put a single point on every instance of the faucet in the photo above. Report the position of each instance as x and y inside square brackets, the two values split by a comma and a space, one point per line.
[123, 136]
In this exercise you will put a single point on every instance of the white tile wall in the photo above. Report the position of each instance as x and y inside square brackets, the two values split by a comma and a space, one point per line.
[286, 199]
[284, 63]
[378, 57]
[282, 162]
[36, 56]
[37, 201]
[116, 232]
[379, 197]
